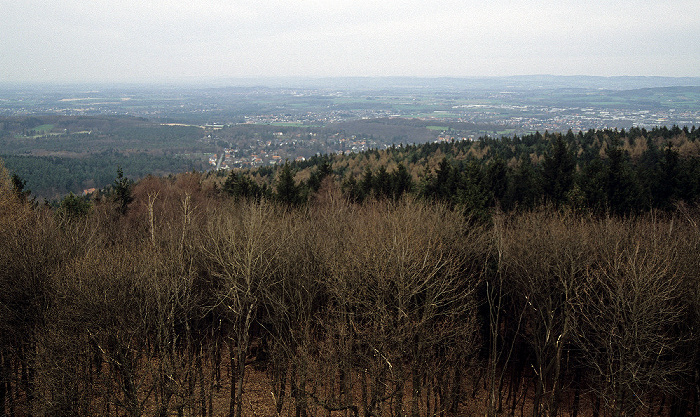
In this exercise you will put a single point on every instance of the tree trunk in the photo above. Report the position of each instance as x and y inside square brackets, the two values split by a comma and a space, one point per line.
[232, 398]
[537, 400]
[281, 385]
[398, 411]
[364, 394]
[130, 394]
[416, 387]
[456, 392]
[238, 359]
[577, 394]
[596, 407]
[202, 390]
[4, 382]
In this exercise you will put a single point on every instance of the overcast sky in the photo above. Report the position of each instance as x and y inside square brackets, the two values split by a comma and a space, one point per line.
[174, 40]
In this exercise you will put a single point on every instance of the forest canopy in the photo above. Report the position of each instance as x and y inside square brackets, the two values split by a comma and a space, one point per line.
[539, 275]
[607, 171]
[544, 275]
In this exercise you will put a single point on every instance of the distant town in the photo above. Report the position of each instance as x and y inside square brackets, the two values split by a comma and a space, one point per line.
[164, 129]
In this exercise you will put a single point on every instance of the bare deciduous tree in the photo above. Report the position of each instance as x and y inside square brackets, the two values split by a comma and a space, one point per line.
[628, 311]
[545, 258]
[242, 245]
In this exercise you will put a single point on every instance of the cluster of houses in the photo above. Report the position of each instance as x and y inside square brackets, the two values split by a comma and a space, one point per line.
[231, 160]
[262, 155]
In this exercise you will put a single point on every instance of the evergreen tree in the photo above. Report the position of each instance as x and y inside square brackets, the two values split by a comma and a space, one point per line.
[352, 190]
[622, 188]
[592, 184]
[646, 167]
[401, 181]
[659, 174]
[367, 183]
[690, 180]
[443, 185]
[497, 178]
[73, 207]
[382, 183]
[523, 186]
[446, 180]
[287, 189]
[122, 188]
[242, 186]
[611, 185]
[317, 176]
[666, 188]
[18, 185]
[472, 194]
[558, 171]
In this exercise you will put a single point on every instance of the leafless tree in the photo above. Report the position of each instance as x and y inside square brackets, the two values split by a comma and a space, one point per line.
[242, 245]
[401, 288]
[545, 258]
[628, 312]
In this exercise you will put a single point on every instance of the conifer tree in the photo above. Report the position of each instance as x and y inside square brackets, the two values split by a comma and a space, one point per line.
[497, 178]
[440, 186]
[241, 186]
[367, 182]
[122, 188]
[401, 181]
[19, 184]
[317, 176]
[382, 183]
[352, 189]
[73, 206]
[287, 188]
[622, 188]
[558, 171]
[523, 186]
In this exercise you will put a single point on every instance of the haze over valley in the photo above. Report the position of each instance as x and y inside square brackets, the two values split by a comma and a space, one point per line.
[161, 129]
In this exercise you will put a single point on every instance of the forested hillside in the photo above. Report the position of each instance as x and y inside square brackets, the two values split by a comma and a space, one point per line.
[57, 155]
[544, 275]
[606, 171]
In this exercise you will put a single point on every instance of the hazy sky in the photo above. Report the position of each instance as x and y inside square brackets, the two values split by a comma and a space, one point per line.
[142, 40]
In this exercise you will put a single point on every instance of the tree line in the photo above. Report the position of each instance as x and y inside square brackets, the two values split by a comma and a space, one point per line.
[51, 178]
[162, 297]
[606, 171]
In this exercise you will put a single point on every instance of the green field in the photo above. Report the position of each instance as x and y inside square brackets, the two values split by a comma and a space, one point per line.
[44, 128]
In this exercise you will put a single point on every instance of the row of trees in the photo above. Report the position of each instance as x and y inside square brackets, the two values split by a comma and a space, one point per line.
[593, 172]
[160, 299]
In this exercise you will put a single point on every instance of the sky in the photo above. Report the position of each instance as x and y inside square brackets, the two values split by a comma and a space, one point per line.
[78, 41]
